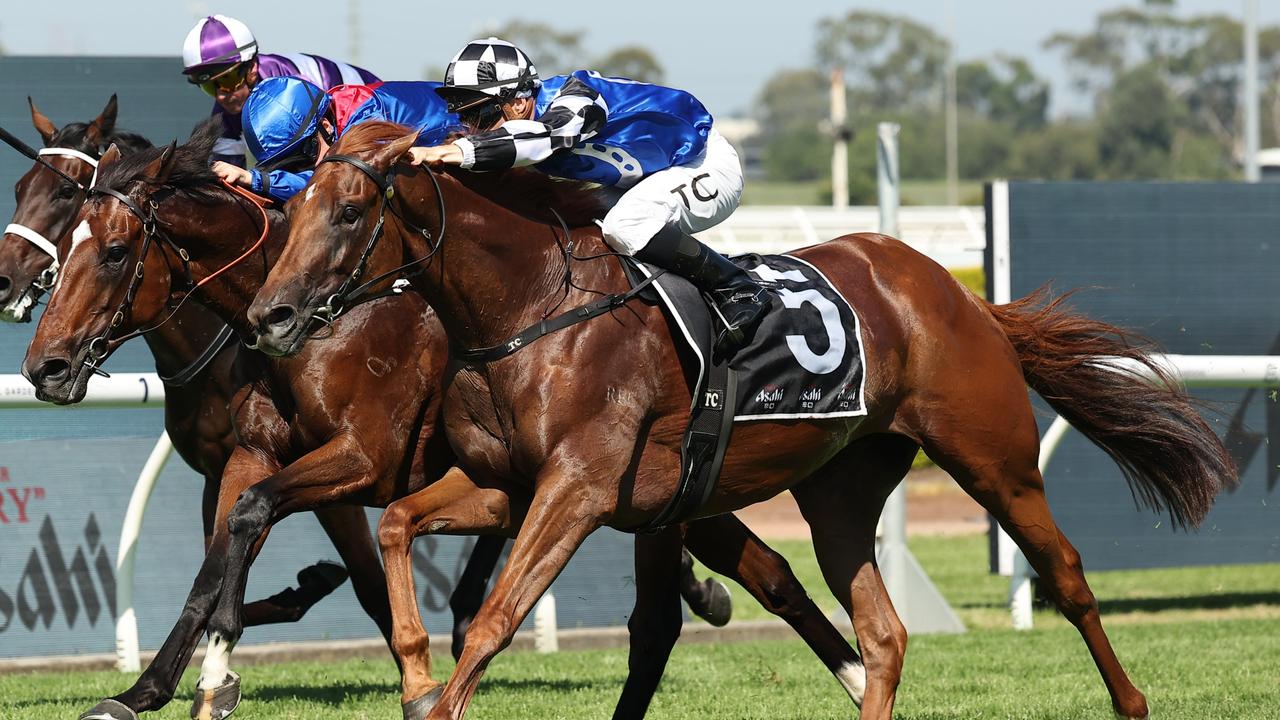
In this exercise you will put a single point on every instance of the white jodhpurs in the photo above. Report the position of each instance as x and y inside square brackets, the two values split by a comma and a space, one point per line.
[692, 197]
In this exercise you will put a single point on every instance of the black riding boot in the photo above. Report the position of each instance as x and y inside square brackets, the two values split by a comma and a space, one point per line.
[740, 300]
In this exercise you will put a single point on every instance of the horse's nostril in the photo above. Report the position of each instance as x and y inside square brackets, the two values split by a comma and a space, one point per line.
[6, 286]
[54, 370]
[281, 316]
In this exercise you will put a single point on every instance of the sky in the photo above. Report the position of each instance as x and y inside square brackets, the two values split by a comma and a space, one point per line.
[723, 52]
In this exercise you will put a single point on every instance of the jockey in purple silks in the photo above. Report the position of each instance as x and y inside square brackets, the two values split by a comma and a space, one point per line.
[221, 55]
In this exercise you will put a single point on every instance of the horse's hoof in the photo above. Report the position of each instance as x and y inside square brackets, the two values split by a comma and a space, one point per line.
[418, 709]
[719, 603]
[217, 703]
[110, 710]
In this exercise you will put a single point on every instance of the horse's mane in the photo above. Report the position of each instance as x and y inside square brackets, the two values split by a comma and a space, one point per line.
[190, 175]
[522, 190]
[73, 135]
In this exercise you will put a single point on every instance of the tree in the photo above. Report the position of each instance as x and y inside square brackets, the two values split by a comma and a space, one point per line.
[633, 62]
[1005, 90]
[891, 62]
[790, 108]
[552, 51]
[1137, 129]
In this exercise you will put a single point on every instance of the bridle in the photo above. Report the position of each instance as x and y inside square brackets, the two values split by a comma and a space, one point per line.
[49, 276]
[342, 299]
[99, 347]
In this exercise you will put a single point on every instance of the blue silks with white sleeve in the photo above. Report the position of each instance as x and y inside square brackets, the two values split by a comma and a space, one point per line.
[649, 128]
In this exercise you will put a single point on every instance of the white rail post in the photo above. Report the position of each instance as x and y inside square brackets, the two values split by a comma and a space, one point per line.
[918, 602]
[546, 631]
[127, 659]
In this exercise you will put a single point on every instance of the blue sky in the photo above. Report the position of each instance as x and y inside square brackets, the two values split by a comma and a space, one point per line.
[722, 51]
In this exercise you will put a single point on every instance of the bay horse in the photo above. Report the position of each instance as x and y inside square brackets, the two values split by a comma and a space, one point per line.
[588, 421]
[354, 419]
[197, 418]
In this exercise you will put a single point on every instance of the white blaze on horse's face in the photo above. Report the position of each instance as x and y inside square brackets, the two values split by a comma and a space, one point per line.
[78, 238]
[310, 191]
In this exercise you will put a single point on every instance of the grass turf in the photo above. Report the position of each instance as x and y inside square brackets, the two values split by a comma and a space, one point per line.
[1201, 642]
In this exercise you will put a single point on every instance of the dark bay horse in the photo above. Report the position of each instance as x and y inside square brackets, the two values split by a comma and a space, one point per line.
[196, 413]
[587, 422]
[353, 419]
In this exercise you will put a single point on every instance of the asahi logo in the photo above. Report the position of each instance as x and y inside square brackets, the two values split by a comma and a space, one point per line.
[50, 585]
[811, 395]
[770, 394]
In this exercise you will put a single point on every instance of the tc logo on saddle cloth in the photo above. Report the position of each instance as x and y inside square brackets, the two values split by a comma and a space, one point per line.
[806, 360]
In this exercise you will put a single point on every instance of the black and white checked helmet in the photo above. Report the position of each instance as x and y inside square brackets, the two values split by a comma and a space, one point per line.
[487, 70]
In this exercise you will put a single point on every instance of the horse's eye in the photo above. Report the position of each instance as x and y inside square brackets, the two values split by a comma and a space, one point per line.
[65, 192]
[350, 214]
[116, 254]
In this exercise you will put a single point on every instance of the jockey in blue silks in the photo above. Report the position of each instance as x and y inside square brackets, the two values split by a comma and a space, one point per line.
[290, 123]
[656, 143]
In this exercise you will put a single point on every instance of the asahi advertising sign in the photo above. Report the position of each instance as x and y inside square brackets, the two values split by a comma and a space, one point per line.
[61, 507]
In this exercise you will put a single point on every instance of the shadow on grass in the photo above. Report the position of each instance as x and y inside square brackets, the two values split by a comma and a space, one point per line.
[338, 693]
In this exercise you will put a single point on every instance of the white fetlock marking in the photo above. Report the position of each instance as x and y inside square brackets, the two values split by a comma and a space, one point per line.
[217, 661]
[854, 679]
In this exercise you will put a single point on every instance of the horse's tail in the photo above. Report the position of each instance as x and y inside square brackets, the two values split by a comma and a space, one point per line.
[1170, 456]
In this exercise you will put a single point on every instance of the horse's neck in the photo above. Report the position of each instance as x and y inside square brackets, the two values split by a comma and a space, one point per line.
[497, 271]
[178, 343]
[219, 238]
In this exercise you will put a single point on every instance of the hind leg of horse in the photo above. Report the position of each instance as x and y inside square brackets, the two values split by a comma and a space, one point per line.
[469, 593]
[709, 599]
[728, 547]
[999, 470]
[451, 505]
[654, 625]
[842, 504]
[155, 687]
[348, 528]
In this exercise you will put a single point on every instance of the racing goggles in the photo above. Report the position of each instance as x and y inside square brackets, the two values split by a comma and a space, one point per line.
[219, 80]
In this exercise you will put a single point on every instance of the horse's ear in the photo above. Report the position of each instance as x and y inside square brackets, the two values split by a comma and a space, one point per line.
[390, 153]
[102, 125]
[42, 123]
[110, 156]
[157, 171]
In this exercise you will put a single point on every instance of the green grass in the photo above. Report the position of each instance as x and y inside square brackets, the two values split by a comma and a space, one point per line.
[1201, 642]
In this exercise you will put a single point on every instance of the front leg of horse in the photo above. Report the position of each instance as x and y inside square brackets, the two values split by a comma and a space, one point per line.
[326, 475]
[451, 505]
[563, 513]
[469, 593]
[157, 684]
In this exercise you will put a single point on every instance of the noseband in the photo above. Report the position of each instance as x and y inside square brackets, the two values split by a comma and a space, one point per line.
[49, 276]
[339, 301]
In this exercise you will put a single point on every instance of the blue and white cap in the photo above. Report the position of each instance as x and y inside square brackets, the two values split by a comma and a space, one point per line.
[217, 41]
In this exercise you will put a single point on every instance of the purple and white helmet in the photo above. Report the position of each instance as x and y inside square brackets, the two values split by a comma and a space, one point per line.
[217, 41]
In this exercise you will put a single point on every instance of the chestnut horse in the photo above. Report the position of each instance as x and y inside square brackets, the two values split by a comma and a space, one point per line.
[196, 414]
[588, 421]
[350, 420]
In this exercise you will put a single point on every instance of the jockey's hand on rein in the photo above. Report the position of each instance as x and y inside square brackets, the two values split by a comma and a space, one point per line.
[232, 174]
[438, 155]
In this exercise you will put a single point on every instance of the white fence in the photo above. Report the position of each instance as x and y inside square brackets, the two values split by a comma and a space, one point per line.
[953, 236]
